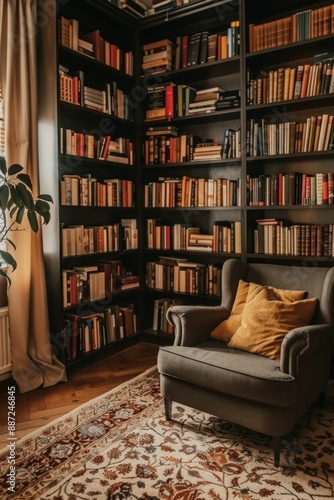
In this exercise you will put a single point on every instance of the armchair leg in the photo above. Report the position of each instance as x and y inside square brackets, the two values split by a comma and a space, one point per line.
[277, 449]
[168, 408]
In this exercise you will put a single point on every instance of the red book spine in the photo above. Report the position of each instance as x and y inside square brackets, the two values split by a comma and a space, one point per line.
[184, 52]
[169, 100]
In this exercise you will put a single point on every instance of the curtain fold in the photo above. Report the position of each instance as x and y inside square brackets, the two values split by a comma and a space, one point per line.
[33, 361]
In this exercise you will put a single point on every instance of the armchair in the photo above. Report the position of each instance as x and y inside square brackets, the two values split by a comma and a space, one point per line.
[264, 394]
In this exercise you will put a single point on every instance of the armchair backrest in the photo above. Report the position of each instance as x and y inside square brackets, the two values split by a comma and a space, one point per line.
[316, 281]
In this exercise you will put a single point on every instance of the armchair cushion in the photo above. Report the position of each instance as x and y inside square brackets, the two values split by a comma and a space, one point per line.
[227, 328]
[266, 320]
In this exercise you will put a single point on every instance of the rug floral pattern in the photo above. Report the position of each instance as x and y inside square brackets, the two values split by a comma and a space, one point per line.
[120, 446]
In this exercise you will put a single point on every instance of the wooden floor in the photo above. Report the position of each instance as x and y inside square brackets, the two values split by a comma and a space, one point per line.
[36, 408]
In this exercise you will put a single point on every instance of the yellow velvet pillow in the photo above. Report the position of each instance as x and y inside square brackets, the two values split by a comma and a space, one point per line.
[227, 328]
[265, 322]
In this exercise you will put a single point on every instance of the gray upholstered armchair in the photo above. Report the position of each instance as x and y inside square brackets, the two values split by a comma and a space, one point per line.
[252, 390]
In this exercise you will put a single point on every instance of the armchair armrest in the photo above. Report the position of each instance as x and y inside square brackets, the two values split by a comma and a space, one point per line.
[194, 324]
[305, 341]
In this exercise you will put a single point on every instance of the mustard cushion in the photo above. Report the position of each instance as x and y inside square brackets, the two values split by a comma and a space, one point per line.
[227, 328]
[265, 321]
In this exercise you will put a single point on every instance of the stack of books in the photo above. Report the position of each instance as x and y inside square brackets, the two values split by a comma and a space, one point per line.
[95, 99]
[205, 101]
[161, 5]
[208, 151]
[159, 101]
[228, 99]
[137, 8]
[200, 242]
[157, 56]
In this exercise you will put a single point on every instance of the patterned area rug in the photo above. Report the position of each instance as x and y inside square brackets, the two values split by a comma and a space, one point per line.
[119, 446]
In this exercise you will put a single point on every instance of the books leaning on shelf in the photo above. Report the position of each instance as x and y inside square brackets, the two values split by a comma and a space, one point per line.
[168, 100]
[180, 276]
[160, 322]
[88, 332]
[93, 45]
[107, 99]
[292, 188]
[315, 134]
[193, 192]
[120, 150]
[281, 237]
[163, 145]
[83, 284]
[282, 84]
[87, 191]
[302, 25]
[85, 240]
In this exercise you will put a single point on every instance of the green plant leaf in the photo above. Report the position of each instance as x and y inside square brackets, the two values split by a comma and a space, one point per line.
[25, 196]
[33, 220]
[3, 167]
[4, 195]
[13, 210]
[45, 197]
[14, 169]
[8, 258]
[42, 207]
[20, 214]
[15, 197]
[46, 217]
[25, 178]
[11, 243]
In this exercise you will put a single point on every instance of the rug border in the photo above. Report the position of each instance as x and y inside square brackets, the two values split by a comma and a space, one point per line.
[76, 410]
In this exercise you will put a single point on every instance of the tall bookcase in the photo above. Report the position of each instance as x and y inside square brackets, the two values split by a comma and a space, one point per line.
[88, 152]
[280, 210]
[197, 279]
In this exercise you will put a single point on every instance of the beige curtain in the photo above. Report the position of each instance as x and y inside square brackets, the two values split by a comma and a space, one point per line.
[33, 361]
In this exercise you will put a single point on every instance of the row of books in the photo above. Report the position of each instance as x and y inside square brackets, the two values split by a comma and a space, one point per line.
[87, 191]
[293, 188]
[119, 150]
[287, 137]
[108, 98]
[168, 100]
[297, 27]
[282, 84]
[225, 238]
[164, 145]
[193, 192]
[85, 240]
[88, 332]
[190, 50]
[280, 237]
[83, 284]
[93, 45]
[182, 276]
[161, 306]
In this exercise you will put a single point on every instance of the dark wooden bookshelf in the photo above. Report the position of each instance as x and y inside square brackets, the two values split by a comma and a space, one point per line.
[132, 33]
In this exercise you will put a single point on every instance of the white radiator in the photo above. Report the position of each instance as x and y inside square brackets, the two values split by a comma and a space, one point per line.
[5, 357]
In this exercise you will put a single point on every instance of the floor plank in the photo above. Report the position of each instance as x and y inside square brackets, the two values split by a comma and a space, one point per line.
[37, 408]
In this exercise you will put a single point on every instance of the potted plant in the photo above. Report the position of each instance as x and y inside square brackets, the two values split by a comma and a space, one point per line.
[18, 207]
